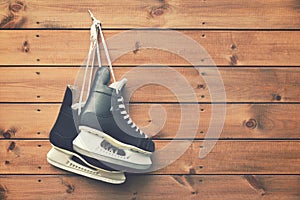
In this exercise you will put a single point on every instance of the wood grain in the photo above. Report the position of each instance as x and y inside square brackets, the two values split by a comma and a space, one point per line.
[263, 84]
[171, 14]
[242, 121]
[256, 45]
[226, 48]
[142, 187]
[227, 157]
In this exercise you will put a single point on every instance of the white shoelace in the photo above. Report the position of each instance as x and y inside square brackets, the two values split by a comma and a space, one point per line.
[95, 30]
[94, 35]
[127, 117]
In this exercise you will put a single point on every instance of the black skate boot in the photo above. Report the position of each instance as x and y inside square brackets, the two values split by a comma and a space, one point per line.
[62, 154]
[104, 119]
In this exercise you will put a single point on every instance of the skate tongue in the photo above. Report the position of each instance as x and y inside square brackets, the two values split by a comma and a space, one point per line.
[119, 84]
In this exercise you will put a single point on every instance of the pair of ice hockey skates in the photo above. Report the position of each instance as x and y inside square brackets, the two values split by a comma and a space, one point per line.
[102, 141]
[108, 139]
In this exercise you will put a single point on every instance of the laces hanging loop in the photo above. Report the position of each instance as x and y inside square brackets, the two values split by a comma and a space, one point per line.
[107, 54]
[95, 31]
[94, 36]
[94, 48]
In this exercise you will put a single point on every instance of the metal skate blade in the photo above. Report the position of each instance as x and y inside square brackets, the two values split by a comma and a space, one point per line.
[63, 159]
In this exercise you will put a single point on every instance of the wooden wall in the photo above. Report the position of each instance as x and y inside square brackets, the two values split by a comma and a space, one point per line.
[256, 46]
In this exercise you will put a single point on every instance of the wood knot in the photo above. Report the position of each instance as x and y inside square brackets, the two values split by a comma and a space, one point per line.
[14, 17]
[201, 86]
[70, 188]
[192, 171]
[3, 192]
[25, 47]
[233, 59]
[158, 11]
[137, 47]
[9, 133]
[251, 124]
[6, 135]
[16, 6]
[134, 196]
[256, 184]
[12, 146]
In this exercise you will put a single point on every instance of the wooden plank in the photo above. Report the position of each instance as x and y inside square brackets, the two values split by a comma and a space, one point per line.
[171, 14]
[227, 157]
[264, 84]
[259, 121]
[226, 48]
[152, 187]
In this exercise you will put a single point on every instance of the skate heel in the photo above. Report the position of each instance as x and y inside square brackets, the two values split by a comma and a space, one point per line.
[63, 159]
